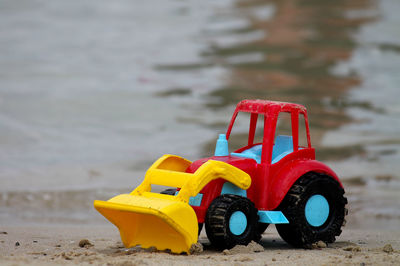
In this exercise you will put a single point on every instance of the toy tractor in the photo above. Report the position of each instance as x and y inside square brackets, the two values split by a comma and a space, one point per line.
[236, 195]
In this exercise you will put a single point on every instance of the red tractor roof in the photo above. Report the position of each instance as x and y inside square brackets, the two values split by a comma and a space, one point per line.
[268, 107]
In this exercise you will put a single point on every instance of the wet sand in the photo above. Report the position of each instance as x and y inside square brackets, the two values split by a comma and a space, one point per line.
[60, 245]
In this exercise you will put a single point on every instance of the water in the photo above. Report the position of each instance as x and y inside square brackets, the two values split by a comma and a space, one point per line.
[376, 128]
[85, 108]
[78, 85]
[92, 92]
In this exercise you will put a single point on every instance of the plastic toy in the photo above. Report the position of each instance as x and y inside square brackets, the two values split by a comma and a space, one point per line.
[236, 195]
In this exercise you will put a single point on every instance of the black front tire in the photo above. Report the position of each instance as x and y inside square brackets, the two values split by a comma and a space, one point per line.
[300, 232]
[262, 227]
[219, 226]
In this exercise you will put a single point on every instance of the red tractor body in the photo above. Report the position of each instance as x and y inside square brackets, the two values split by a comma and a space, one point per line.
[236, 195]
[270, 181]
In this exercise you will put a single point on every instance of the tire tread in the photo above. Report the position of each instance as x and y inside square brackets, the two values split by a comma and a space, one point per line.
[300, 234]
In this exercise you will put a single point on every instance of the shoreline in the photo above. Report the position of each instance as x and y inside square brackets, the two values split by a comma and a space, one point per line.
[39, 245]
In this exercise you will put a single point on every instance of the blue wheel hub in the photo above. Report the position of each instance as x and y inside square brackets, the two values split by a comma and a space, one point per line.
[317, 210]
[237, 223]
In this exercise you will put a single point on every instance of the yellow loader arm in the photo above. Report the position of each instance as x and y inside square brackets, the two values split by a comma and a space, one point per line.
[166, 221]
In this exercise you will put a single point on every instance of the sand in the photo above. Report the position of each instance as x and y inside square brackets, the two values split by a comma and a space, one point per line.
[101, 245]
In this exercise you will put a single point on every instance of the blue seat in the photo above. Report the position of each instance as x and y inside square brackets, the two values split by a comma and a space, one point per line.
[282, 147]
[252, 153]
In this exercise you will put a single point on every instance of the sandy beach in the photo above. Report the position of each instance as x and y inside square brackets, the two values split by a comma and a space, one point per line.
[61, 245]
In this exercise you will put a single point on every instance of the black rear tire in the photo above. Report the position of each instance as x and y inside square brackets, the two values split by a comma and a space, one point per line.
[231, 220]
[302, 231]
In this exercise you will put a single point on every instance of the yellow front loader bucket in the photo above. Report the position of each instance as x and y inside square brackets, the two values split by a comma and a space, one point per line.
[165, 221]
[149, 221]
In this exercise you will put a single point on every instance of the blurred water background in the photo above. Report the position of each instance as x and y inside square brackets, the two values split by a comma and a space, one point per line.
[92, 92]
